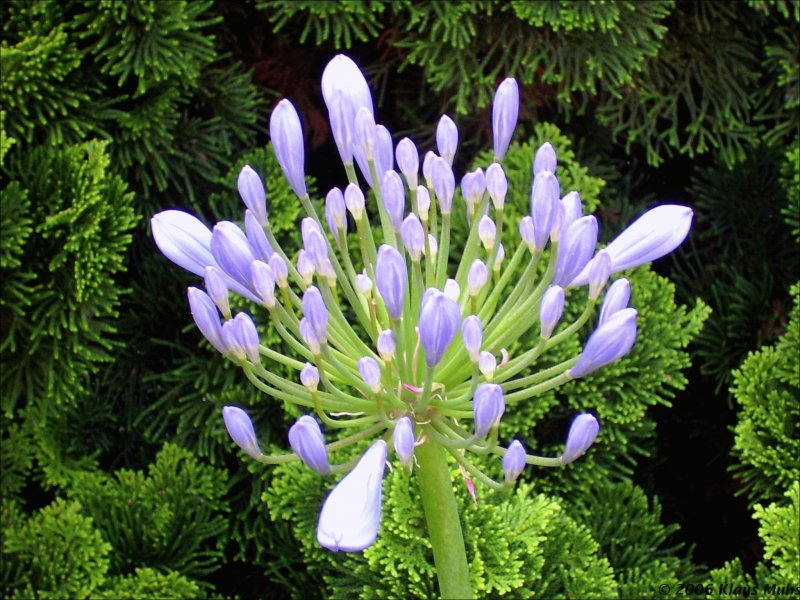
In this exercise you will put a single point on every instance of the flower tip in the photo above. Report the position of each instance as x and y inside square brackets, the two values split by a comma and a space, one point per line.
[351, 515]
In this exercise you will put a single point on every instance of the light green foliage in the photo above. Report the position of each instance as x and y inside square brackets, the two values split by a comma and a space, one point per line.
[790, 180]
[326, 19]
[518, 544]
[778, 526]
[633, 538]
[147, 583]
[170, 518]
[58, 553]
[767, 386]
[62, 300]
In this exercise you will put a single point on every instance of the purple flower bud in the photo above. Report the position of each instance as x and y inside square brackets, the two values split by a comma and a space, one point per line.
[472, 187]
[423, 202]
[581, 436]
[229, 334]
[609, 342]
[499, 258]
[575, 250]
[444, 184]
[550, 309]
[251, 189]
[439, 318]
[496, 185]
[413, 236]
[310, 337]
[183, 239]
[326, 270]
[354, 200]
[279, 269]
[305, 266]
[370, 372]
[447, 139]
[384, 150]
[335, 213]
[544, 206]
[364, 283]
[394, 198]
[452, 290]
[309, 376]
[386, 345]
[617, 298]
[240, 428]
[558, 220]
[545, 159]
[232, 251]
[343, 75]
[427, 167]
[314, 242]
[342, 115]
[254, 232]
[315, 311]
[287, 140]
[365, 134]
[488, 406]
[504, 116]
[656, 233]
[306, 440]
[433, 245]
[487, 363]
[263, 282]
[247, 336]
[487, 231]
[408, 161]
[391, 279]
[205, 315]
[403, 439]
[477, 276]
[472, 336]
[527, 232]
[572, 209]
[599, 272]
[351, 516]
[514, 461]
[217, 289]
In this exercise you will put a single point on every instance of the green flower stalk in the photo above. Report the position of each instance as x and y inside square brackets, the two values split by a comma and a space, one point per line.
[406, 352]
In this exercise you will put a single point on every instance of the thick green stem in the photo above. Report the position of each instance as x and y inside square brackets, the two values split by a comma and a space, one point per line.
[444, 524]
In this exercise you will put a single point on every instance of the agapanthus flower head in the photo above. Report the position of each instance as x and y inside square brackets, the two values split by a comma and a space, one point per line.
[241, 430]
[351, 515]
[581, 436]
[305, 438]
[253, 194]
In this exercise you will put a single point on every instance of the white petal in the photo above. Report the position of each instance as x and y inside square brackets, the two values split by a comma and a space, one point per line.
[351, 515]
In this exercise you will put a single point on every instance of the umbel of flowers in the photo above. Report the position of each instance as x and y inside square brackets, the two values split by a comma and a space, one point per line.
[392, 341]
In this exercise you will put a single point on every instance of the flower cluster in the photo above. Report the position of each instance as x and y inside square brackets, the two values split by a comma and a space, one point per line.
[397, 340]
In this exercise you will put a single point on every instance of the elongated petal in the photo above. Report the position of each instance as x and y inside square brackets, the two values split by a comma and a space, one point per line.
[342, 74]
[234, 255]
[316, 312]
[610, 341]
[206, 317]
[472, 336]
[545, 159]
[286, 134]
[550, 310]
[504, 116]
[514, 461]
[413, 236]
[544, 206]
[496, 185]
[447, 139]
[488, 406]
[581, 436]
[617, 298]
[370, 372]
[575, 249]
[335, 213]
[184, 239]
[306, 440]
[351, 516]
[254, 231]
[439, 319]
[403, 439]
[391, 279]
[444, 184]
[241, 430]
[394, 198]
[407, 157]
[251, 189]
